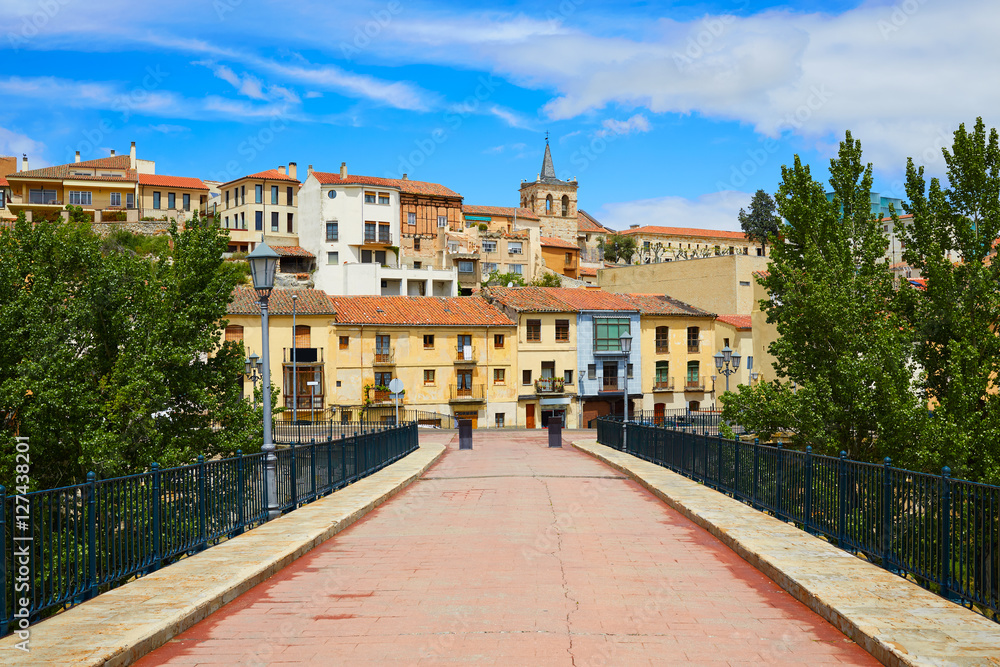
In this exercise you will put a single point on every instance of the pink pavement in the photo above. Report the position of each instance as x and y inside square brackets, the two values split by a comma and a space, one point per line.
[516, 554]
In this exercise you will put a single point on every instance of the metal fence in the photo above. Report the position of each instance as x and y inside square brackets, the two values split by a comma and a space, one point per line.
[940, 532]
[64, 546]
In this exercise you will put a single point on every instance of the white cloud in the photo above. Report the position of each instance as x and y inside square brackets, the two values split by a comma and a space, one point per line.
[165, 128]
[512, 118]
[17, 144]
[716, 210]
[611, 127]
[313, 94]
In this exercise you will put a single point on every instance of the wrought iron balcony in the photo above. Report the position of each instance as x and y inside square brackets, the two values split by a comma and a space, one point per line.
[696, 385]
[693, 347]
[384, 357]
[550, 385]
[610, 384]
[466, 394]
[384, 239]
[663, 385]
[465, 354]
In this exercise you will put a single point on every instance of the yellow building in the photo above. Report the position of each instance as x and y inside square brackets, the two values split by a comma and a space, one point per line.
[736, 332]
[455, 356]
[262, 204]
[170, 197]
[664, 244]
[763, 334]
[560, 256]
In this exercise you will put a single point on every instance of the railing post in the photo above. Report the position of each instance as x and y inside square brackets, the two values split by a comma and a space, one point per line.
[718, 462]
[92, 588]
[756, 473]
[294, 476]
[357, 458]
[312, 464]
[343, 457]
[329, 463]
[945, 576]
[240, 494]
[736, 467]
[779, 482]
[842, 500]
[202, 518]
[157, 511]
[807, 519]
[887, 513]
[4, 627]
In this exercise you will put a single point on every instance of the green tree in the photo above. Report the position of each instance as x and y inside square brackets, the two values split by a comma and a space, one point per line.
[950, 240]
[840, 342]
[110, 361]
[504, 278]
[620, 248]
[547, 280]
[760, 223]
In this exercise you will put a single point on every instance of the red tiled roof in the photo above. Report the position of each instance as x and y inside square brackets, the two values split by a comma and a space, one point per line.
[591, 299]
[267, 175]
[3, 182]
[62, 171]
[586, 271]
[738, 321]
[184, 182]
[686, 231]
[552, 242]
[470, 311]
[587, 224]
[309, 302]
[407, 186]
[559, 299]
[661, 304]
[292, 251]
[762, 274]
[919, 283]
[902, 217]
[506, 211]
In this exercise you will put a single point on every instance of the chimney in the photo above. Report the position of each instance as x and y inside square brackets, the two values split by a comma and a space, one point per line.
[309, 171]
[293, 170]
[343, 170]
[405, 178]
[131, 156]
[24, 162]
[281, 169]
[112, 152]
[77, 156]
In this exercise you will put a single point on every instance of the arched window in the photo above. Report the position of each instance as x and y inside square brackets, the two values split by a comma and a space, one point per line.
[548, 204]
[234, 332]
[302, 335]
[565, 205]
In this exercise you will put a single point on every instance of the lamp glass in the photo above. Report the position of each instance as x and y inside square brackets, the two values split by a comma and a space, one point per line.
[726, 354]
[263, 264]
[735, 357]
[626, 342]
[248, 367]
[718, 360]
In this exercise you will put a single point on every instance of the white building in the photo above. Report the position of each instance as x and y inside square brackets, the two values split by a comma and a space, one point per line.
[352, 225]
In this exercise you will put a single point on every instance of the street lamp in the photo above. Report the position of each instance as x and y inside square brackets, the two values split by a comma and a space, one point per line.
[626, 342]
[251, 369]
[263, 264]
[727, 362]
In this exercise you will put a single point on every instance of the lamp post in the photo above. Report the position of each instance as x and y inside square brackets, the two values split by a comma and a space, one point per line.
[263, 263]
[727, 362]
[295, 361]
[251, 369]
[626, 342]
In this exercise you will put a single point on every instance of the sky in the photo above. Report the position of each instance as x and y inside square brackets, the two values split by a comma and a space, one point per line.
[666, 113]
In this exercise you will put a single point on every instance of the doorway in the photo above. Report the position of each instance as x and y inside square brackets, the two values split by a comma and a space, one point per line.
[529, 415]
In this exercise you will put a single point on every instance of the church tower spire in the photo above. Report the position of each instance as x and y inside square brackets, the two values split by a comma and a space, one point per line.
[552, 200]
[548, 171]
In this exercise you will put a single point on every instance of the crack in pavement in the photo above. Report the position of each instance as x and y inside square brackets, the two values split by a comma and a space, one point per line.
[562, 570]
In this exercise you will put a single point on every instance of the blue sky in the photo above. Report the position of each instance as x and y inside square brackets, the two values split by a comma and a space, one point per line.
[668, 113]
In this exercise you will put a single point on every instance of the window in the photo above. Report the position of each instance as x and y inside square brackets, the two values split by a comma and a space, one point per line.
[383, 198]
[629, 370]
[565, 205]
[662, 340]
[489, 267]
[186, 199]
[274, 194]
[411, 218]
[156, 200]
[234, 332]
[499, 376]
[370, 232]
[568, 377]
[526, 377]
[442, 221]
[514, 247]
[429, 376]
[274, 221]
[725, 342]
[498, 341]
[562, 330]
[693, 339]
[171, 201]
[227, 221]
[466, 266]
[227, 198]
[662, 378]
[416, 243]
[258, 223]
[428, 341]
[345, 342]
[569, 258]
[302, 335]
[333, 258]
[289, 196]
[418, 265]
[290, 223]
[607, 331]
[516, 268]
[645, 245]
[548, 204]
[499, 419]
[489, 246]
[130, 200]
[243, 220]
[258, 194]
[369, 197]
[692, 374]
[116, 198]
[332, 232]
[744, 283]
[383, 234]
[243, 194]
[591, 371]
[534, 330]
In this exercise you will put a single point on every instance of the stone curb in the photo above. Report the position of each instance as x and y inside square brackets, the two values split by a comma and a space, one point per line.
[895, 620]
[120, 626]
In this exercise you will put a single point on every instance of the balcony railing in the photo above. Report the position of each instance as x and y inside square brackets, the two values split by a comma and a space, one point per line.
[695, 385]
[378, 238]
[465, 354]
[473, 393]
[693, 347]
[663, 385]
[384, 357]
[381, 396]
[610, 384]
[550, 385]
[305, 404]
[662, 348]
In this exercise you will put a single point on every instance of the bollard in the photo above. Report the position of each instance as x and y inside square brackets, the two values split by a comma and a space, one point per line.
[465, 434]
[555, 432]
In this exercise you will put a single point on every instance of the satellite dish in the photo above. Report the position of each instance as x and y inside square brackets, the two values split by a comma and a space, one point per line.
[396, 386]
[510, 284]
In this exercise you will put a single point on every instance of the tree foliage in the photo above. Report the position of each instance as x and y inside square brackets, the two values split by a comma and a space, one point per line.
[761, 222]
[547, 280]
[504, 279]
[620, 248]
[109, 360]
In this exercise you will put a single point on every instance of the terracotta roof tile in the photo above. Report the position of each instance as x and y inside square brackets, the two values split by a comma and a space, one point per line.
[118, 162]
[902, 217]
[309, 302]
[185, 182]
[3, 182]
[506, 211]
[407, 186]
[292, 251]
[587, 271]
[587, 224]
[661, 304]
[269, 175]
[738, 321]
[471, 311]
[552, 242]
[687, 231]
[559, 299]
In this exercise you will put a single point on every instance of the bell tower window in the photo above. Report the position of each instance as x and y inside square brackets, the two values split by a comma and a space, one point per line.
[548, 204]
[565, 205]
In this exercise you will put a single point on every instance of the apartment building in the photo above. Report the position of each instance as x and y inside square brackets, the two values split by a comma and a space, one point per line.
[455, 356]
[560, 256]
[590, 235]
[358, 227]
[259, 206]
[169, 197]
[505, 238]
[657, 244]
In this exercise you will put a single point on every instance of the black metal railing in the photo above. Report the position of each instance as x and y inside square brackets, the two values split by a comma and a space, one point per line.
[940, 532]
[63, 546]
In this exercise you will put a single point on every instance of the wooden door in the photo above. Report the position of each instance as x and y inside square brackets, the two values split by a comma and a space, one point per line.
[658, 412]
[529, 415]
